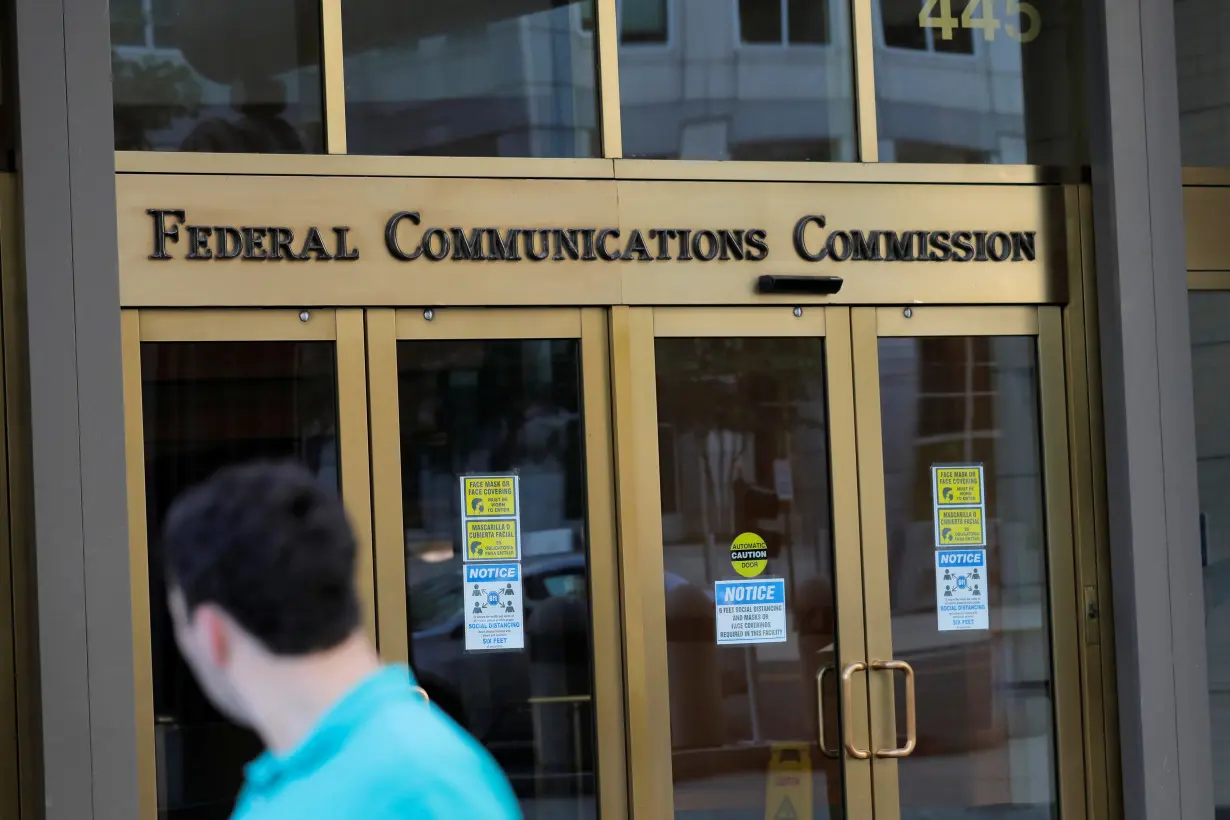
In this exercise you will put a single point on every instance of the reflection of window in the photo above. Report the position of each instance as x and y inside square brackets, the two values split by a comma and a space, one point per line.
[787, 22]
[806, 150]
[920, 151]
[902, 28]
[640, 21]
[147, 23]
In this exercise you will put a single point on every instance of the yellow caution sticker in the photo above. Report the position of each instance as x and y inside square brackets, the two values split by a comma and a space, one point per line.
[749, 554]
[489, 496]
[789, 793]
[492, 540]
[960, 527]
[957, 485]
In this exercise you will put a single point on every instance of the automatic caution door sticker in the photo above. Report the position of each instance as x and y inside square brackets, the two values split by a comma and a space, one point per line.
[749, 554]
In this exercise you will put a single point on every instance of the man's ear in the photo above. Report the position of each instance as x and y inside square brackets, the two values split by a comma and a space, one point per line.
[213, 629]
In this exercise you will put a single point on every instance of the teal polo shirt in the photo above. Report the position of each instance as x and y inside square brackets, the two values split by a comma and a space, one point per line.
[381, 753]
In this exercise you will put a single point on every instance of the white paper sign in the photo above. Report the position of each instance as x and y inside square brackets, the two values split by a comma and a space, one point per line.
[751, 611]
[493, 607]
[961, 590]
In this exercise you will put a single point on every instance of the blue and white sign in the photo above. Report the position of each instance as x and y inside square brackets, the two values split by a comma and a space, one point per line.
[961, 590]
[750, 611]
[493, 607]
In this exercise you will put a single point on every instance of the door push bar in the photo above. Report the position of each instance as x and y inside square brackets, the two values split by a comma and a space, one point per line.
[847, 718]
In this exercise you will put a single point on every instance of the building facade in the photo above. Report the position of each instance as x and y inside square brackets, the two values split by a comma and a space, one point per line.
[834, 387]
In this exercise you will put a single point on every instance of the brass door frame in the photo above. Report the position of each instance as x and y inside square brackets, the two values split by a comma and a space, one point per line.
[385, 328]
[345, 329]
[633, 333]
[1045, 324]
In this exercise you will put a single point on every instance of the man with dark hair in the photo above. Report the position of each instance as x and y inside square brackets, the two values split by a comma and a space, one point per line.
[261, 569]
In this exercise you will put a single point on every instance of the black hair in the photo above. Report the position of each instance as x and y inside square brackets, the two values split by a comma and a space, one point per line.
[273, 549]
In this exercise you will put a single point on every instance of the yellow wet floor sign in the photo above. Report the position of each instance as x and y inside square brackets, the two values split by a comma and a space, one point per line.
[788, 796]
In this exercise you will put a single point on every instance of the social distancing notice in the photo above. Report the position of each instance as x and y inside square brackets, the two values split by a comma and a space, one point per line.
[789, 793]
[751, 611]
[959, 505]
[491, 517]
[749, 554]
[961, 590]
[494, 612]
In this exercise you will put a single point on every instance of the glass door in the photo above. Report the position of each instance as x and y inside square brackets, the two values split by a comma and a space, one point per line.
[968, 561]
[737, 427]
[204, 389]
[495, 540]
[862, 518]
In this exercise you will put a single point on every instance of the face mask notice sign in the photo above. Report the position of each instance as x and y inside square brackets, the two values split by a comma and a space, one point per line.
[959, 503]
[491, 569]
[961, 590]
[750, 612]
[493, 607]
[491, 517]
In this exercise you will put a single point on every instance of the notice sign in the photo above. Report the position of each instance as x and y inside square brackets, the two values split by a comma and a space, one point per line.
[960, 590]
[493, 607]
[959, 502]
[750, 612]
[491, 517]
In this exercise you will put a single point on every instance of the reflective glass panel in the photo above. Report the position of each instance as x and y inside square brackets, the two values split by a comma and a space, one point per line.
[470, 78]
[1210, 329]
[207, 405]
[504, 406]
[744, 80]
[978, 81]
[216, 75]
[743, 440]
[985, 703]
[1202, 59]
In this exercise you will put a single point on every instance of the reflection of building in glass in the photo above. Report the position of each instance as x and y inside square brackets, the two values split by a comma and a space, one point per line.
[175, 91]
[727, 80]
[1202, 27]
[1210, 366]
[772, 80]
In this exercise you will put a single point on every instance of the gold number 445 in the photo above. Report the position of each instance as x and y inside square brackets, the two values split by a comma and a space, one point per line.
[987, 21]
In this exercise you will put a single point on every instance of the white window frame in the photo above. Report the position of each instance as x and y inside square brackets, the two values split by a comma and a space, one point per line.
[783, 35]
[930, 33]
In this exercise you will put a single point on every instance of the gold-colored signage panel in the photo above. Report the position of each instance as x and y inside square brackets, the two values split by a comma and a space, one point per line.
[213, 240]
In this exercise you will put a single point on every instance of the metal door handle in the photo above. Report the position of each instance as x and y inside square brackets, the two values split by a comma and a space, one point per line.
[824, 746]
[847, 715]
[911, 732]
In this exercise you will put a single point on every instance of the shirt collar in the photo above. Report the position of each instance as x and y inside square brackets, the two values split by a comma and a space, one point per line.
[381, 687]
